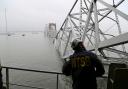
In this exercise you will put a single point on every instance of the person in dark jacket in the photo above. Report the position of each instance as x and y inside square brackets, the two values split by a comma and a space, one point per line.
[83, 66]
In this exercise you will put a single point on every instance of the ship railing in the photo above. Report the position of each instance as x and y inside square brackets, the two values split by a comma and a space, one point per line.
[7, 83]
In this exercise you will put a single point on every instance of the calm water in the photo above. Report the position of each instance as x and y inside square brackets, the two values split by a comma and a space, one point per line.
[32, 51]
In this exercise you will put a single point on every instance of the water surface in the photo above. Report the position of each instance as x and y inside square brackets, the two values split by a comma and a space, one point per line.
[30, 51]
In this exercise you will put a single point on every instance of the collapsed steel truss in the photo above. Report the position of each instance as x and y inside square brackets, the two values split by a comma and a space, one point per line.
[85, 24]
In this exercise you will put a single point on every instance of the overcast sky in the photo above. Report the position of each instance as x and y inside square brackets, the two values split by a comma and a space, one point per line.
[33, 14]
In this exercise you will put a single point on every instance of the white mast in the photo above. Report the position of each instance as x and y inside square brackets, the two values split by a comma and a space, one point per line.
[6, 24]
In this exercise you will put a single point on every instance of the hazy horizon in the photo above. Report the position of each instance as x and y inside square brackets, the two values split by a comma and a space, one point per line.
[33, 15]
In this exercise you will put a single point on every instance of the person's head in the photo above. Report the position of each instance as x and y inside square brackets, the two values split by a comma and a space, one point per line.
[77, 45]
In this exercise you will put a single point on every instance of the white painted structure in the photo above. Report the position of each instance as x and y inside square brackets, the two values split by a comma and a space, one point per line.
[50, 30]
[91, 24]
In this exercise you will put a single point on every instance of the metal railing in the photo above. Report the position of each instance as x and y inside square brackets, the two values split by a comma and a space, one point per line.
[30, 70]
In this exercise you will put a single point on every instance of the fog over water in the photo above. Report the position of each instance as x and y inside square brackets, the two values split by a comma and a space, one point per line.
[29, 51]
[32, 51]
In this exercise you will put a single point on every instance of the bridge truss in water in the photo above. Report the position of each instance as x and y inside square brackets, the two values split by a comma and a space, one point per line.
[100, 25]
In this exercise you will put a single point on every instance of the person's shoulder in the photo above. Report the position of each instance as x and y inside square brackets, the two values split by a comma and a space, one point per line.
[74, 55]
[71, 56]
[90, 53]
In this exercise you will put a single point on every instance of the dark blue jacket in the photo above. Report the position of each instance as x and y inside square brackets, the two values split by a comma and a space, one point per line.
[84, 66]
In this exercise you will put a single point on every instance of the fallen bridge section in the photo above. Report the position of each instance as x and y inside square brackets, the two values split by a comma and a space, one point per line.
[118, 40]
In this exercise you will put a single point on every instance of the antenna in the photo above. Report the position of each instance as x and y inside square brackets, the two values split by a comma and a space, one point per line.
[6, 23]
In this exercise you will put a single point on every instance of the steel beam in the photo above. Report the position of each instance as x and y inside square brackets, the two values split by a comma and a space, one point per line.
[87, 21]
[69, 37]
[67, 16]
[78, 19]
[125, 16]
[104, 9]
[111, 10]
[116, 51]
[77, 13]
[118, 40]
[97, 36]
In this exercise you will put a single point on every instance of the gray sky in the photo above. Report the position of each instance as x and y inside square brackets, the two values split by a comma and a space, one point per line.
[35, 14]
